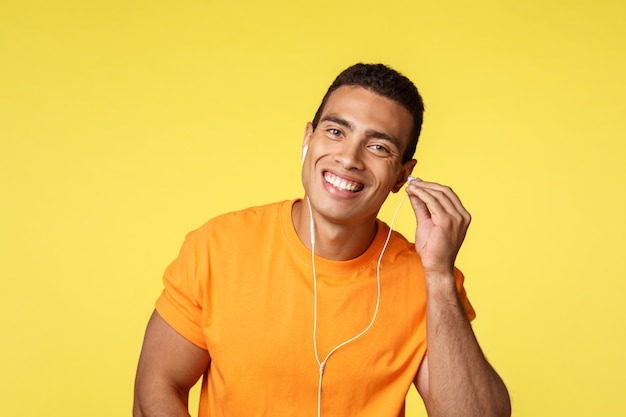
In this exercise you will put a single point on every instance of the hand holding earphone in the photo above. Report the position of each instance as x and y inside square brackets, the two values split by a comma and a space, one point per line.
[442, 223]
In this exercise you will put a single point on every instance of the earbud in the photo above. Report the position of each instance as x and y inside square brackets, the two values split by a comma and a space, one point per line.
[304, 150]
[408, 180]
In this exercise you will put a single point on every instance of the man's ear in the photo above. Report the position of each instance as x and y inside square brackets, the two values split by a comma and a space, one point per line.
[407, 169]
[308, 130]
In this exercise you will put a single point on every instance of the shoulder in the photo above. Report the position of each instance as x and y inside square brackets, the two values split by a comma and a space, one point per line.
[247, 217]
[398, 249]
[249, 223]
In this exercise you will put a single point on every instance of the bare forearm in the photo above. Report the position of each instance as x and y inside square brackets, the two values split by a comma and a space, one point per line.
[461, 381]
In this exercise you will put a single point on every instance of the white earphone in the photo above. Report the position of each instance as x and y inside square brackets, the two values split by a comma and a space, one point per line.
[304, 150]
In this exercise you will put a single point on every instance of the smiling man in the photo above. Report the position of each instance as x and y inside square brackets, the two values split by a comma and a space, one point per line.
[314, 306]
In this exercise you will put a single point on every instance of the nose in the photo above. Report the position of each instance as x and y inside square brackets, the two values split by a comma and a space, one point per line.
[350, 155]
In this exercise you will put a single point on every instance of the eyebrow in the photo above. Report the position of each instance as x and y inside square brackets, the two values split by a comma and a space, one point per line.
[369, 133]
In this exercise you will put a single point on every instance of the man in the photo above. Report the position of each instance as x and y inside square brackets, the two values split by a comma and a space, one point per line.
[313, 306]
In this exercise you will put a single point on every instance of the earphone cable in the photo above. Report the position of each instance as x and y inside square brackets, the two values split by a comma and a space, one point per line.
[322, 364]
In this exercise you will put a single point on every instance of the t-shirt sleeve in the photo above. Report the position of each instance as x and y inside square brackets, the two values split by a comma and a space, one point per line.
[181, 301]
[469, 310]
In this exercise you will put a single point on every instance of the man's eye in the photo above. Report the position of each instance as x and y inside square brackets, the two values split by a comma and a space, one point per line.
[334, 132]
[379, 148]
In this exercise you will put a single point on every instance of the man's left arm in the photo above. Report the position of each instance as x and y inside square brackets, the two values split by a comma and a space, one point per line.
[454, 378]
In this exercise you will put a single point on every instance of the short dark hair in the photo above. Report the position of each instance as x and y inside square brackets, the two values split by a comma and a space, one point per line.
[386, 82]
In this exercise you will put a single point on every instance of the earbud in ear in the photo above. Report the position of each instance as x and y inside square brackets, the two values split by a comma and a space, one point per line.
[304, 150]
[411, 178]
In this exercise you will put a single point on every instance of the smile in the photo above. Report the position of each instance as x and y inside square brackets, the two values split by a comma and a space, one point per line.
[342, 184]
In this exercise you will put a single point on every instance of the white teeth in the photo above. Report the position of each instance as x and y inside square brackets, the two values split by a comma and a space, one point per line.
[341, 183]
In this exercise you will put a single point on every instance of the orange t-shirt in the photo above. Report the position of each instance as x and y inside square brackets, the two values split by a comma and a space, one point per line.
[242, 288]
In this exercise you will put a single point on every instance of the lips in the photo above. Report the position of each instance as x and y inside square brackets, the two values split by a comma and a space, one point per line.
[342, 184]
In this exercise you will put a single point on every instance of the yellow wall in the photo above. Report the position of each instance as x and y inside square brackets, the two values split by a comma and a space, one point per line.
[123, 125]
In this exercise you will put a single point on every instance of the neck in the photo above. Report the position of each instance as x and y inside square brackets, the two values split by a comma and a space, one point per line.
[334, 241]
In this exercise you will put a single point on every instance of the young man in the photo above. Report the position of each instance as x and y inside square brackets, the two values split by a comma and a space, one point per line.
[313, 306]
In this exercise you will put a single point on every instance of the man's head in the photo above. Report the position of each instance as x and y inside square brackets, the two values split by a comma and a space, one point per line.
[386, 82]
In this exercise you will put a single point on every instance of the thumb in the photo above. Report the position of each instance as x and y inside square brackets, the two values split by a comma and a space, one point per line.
[420, 209]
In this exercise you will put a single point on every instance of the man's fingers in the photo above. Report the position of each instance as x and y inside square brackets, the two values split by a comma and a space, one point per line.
[439, 199]
[419, 207]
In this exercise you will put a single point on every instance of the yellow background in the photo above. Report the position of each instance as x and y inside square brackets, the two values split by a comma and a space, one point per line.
[123, 125]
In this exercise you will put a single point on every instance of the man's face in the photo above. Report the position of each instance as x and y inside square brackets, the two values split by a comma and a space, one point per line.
[354, 156]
